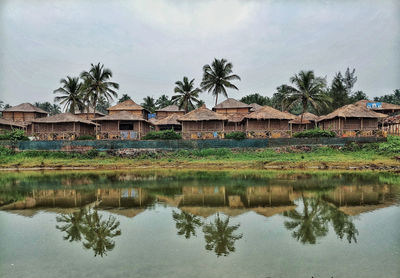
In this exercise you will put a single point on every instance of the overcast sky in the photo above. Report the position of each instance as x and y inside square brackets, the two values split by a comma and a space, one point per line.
[149, 45]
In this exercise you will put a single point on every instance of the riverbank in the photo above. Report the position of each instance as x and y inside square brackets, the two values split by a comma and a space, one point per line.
[380, 156]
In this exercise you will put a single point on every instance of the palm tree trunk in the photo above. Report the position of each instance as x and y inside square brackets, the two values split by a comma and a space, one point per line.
[216, 99]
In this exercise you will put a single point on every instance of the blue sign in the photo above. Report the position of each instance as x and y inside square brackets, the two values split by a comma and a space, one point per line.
[151, 115]
[372, 105]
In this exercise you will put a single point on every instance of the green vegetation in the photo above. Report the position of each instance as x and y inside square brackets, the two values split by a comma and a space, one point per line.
[185, 94]
[163, 135]
[14, 135]
[312, 133]
[237, 135]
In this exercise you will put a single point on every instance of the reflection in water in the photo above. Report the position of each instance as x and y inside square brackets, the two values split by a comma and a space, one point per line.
[312, 222]
[220, 237]
[97, 233]
[186, 223]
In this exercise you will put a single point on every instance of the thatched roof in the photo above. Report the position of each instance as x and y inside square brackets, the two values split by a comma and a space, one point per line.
[208, 211]
[120, 116]
[254, 107]
[63, 118]
[91, 110]
[170, 120]
[170, 108]
[231, 103]
[307, 118]
[202, 114]
[392, 120]
[385, 105]
[10, 123]
[271, 211]
[25, 107]
[235, 118]
[127, 105]
[352, 111]
[267, 112]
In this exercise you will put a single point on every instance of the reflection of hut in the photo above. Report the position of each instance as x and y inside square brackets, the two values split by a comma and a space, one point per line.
[202, 123]
[208, 211]
[24, 113]
[384, 107]
[235, 111]
[308, 121]
[350, 119]
[64, 198]
[262, 196]
[89, 114]
[127, 212]
[6, 125]
[168, 111]
[268, 122]
[167, 123]
[203, 196]
[122, 125]
[61, 126]
[271, 211]
[123, 197]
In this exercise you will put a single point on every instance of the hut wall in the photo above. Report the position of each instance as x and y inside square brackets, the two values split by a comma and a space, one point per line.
[230, 126]
[164, 114]
[6, 127]
[111, 129]
[272, 124]
[232, 110]
[22, 116]
[206, 129]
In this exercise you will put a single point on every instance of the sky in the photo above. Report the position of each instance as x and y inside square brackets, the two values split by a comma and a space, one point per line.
[149, 45]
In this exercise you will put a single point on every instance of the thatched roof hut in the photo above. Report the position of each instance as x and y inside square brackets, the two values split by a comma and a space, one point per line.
[89, 114]
[130, 106]
[169, 122]
[254, 107]
[267, 112]
[352, 111]
[61, 126]
[231, 103]
[392, 125]
[235, 111]
[202, 114]
[24, 112]
[169, 110]
[308, 122]
[386, 108]
[9, 125]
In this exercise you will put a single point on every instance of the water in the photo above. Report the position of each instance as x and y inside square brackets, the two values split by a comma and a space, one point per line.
[199, 224]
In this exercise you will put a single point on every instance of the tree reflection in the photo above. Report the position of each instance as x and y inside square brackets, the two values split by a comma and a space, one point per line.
[220, 236]
[312, 222]
[186, 223]
[89, 225]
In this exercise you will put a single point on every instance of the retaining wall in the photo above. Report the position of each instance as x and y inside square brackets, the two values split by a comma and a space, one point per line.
[102, 145]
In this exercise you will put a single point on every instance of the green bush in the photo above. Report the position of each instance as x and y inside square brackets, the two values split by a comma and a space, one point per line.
[392, 145]
[6, 151]
[237, 135]
[312, 133]
[163, 135]
[92, 154]
[86, 137]
[14, 135]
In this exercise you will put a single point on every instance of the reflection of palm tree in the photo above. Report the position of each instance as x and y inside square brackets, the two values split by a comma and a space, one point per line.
[74, 225]
[308, 225]
[219, 236]
[96, 232]
[343, 225]
[186, 223]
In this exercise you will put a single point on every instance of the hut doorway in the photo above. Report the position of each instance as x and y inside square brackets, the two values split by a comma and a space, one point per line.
[126, 126]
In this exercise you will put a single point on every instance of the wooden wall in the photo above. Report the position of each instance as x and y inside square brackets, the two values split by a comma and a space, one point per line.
[22, 116]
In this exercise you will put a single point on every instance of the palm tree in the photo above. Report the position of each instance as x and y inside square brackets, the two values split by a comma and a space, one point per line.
[186, 223]
[200, 103]
[149, 103]
[308, 90]
[97, 84]
[124, 97]
[1, 104]
[163, 101]
[220, 236]
[186, 94]
[70, 94]
[256, 98]
[74, 225]
[217, 77]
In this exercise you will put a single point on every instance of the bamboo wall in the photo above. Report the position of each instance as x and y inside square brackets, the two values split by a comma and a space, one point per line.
[60, 131]
[22, 116]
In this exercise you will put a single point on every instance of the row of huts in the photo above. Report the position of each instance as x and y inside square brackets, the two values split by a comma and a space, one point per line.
[128, 120]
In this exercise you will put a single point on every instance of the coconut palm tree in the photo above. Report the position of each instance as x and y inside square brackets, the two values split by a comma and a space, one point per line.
[308, 90]
[149, 103]
[74, 225]
[70, 94]
[97, 84]
[186, 223]
[124, 97]
[220, 236]
[186, 94]
[217, 77]
[163, 101]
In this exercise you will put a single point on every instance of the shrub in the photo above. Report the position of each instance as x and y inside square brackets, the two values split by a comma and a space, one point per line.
[392, 145]
[312, 133]
[163, 135]
[92, 154]
[86, 137]
[237, 135]
[14, 135]
[6, 151]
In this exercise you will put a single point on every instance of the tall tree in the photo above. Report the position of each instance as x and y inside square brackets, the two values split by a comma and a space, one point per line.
[124, 97]
[185, 94]
[217, 78]
[256, 98]
[47, 106]
[163, 101]
[391, 98]
[149, 103]
[97, 84]
[70, 94]
[308, 90]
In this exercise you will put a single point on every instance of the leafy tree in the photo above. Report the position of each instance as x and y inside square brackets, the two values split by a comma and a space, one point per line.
[97, 84]
[70, 94]
[200, 103]
[220, 237]
[217, 78]
[308, 90]
[102, 105]
[186, 223]
[124, 97]
[185, 94]
[149, 103]
[391, 98]
[163, 101]
[256, 98]
[47, 106]
[278, 99]
[358, 95]
[1, 104]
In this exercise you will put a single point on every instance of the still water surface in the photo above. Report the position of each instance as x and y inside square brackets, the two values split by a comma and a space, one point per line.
[199, 224]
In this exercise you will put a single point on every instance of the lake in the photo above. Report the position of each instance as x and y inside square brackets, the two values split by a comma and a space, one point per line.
[185, 223]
